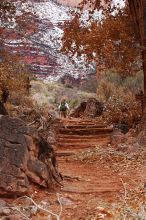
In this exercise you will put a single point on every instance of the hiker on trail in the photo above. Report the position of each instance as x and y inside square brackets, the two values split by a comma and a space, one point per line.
[63, 108]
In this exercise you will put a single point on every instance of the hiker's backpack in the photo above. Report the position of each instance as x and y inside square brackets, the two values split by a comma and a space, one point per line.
[63, 107]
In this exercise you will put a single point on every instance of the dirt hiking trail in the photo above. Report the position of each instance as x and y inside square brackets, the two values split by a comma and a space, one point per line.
[73, 134]
[86, 186]
[91, 189]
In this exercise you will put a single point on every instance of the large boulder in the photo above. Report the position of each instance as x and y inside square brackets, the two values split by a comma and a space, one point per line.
[25, 158]
[94, 108]
[79, 111]
[90, 109]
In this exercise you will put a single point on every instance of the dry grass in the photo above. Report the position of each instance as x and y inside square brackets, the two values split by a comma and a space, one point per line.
[51, 93]
[118, 96]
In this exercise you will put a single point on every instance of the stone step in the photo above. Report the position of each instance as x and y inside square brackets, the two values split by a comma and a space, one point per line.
[82, 122]
[79, 140]
[64, 154]
[102, 141]
[80, 126]
[72, 141]
[86, 131]
[81, 137]
[77, 122]
[82, 133]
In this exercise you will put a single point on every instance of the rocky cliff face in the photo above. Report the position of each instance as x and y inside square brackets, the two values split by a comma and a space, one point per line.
[26, 158]
[39, 41]
[72, 3]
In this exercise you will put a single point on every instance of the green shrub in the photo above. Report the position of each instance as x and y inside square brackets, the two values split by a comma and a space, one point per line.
[134, 84]
[90, 85]
[69, 86]
[119, 100]
[73, 103]
[122, 108]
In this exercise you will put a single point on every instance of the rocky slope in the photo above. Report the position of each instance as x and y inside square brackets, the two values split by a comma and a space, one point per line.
[38, 43]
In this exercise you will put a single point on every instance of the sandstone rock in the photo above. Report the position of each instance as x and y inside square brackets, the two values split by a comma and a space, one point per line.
[90, 109]
[51, 138]
[45, 204]
[142, 138]
[2, 203]
[104, 213]
[6, 211]
[12, 217]
[24, 158]
[118, 138]
[79, 111]
[93, 109]
[66, 202]
[70, 81]
[124, 128]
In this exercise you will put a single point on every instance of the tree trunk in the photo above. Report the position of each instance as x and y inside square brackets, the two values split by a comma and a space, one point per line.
[4, 97]
[138, 12]
[144, 51]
